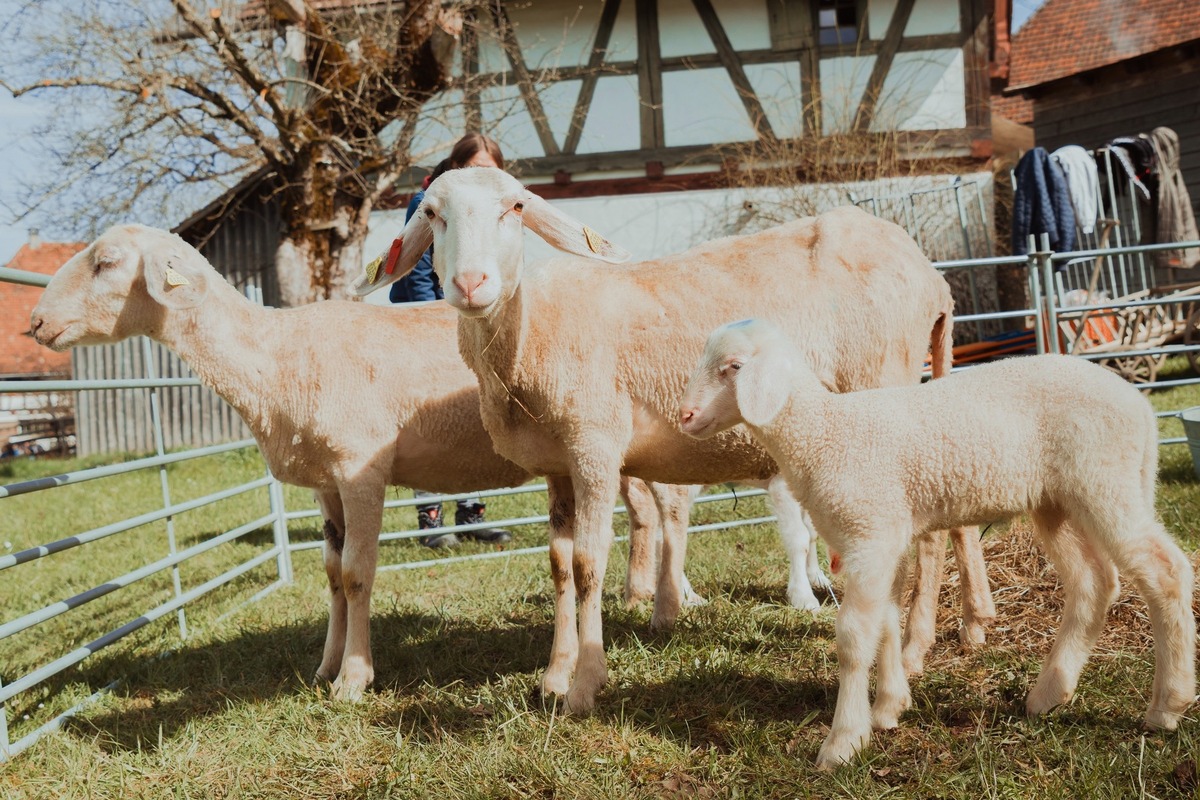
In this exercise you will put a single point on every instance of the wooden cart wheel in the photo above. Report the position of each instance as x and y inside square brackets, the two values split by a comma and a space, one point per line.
[1135, 369]
[1191, 336]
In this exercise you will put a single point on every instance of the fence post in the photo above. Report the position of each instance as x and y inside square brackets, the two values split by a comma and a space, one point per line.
[279, 511]
[1033, 275]
[156, 418]
[4, 743]
[1046, 267]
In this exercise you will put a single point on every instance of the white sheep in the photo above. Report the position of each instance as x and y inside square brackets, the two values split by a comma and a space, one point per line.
[1062, 439]
[328, 414]
[581, 364]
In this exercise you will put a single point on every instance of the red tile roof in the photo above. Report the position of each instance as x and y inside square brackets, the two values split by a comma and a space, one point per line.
[19, 353]
[1067, 37]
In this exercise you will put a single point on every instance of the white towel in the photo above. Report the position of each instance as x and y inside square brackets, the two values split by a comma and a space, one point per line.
[1083, 184]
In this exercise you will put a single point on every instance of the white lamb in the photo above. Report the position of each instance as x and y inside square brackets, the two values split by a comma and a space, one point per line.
[328, 414]
[1065, 440]
[581, 365]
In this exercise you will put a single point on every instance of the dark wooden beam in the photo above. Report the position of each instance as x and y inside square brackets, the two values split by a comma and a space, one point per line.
[976, 23]
[512, 48]
[733, 65]
[608, 19]
[650, 90]
[883, 63]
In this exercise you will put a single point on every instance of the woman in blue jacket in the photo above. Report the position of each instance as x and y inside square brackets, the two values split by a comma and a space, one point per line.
[473, 150]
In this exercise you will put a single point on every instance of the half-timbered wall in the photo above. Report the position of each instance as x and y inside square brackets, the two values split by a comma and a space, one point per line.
[614, 84]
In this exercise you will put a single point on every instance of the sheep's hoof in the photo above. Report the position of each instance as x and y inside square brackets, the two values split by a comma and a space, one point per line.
[1160, 719]
[635, 596]
[804, 602]
[554, 685]
[972, 635]
[578, 702]
[692, 600]
[1044, 699]
[347, 692]
[839, 749]
[913, 659]
[886, 716]
[663, 621]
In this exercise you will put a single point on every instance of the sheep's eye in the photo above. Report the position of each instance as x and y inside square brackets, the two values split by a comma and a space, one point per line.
[519, 207]
[429, 213]
[735, 365]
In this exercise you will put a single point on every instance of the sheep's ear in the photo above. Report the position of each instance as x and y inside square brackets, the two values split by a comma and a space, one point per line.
[763, 386]
[567, 234]
[399, 259]
[173, 278]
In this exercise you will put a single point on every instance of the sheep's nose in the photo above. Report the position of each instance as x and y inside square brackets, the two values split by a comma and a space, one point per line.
[467, 284]
[34, 323]
[686, 415]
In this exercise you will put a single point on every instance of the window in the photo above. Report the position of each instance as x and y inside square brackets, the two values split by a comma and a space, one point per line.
[837, 21]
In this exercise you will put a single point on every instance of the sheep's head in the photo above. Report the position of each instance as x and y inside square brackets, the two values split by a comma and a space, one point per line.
[743, 376]
[475, 220]
[119, 286]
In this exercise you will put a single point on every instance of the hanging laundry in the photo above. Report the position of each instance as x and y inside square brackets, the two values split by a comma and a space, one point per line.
[1134, 162]
[1083, 184]
[1176, 221]
[1041, 203]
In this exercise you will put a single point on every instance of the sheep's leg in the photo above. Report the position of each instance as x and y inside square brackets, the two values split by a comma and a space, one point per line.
[363, 502]
[800, 544]
[594, 493]
[1090, 586]
[920, 629]
[565, 650]
[335, 634]
[869, 570]
[1163, 576]
[643, 541]
[978, 610]
[673, 505]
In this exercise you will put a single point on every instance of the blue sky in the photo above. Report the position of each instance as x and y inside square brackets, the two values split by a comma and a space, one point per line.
[19, 154]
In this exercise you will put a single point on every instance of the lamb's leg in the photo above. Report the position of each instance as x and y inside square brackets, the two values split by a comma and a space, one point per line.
[1090, 586]
[335, 633]
[594, 493]
[673, 504]
[800, 544]
[978, 610]
[643, 541]
[869, 569]
[1163, 576]
[565, 650]
[363, 503]
[892, 694]
[921, 627]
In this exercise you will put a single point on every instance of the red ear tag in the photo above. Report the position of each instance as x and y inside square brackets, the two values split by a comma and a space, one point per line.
[393, 255]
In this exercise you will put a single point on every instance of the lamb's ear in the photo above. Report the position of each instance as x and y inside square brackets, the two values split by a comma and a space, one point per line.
[568, 234]
[173, 276]
[399, 259]
[762, 386]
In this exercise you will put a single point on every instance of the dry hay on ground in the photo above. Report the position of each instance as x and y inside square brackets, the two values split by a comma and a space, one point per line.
[1029, 602]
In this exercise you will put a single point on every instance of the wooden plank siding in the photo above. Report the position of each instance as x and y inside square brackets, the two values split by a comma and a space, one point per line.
[1090, 115]
[119, 420]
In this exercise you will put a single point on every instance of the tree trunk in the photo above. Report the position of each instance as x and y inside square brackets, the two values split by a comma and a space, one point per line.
[321, 251]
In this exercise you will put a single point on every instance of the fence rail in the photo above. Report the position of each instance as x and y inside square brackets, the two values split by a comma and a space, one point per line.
[163, 423]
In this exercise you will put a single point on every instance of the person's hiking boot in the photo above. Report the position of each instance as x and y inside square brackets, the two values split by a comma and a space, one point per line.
[471, 515]
[430, 518]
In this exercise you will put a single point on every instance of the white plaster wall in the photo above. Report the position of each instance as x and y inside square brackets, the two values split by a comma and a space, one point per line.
[843, 81]
[702, 106]
[612, 120]
[555, 34]
[928, 17]
[924, 90]
[778, 89]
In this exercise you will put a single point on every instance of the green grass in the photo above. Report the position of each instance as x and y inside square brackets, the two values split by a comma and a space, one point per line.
[733, 703]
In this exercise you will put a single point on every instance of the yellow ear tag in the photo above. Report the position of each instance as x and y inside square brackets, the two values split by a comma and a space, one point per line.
[372, 269]
[175, 278]
[594, 240]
